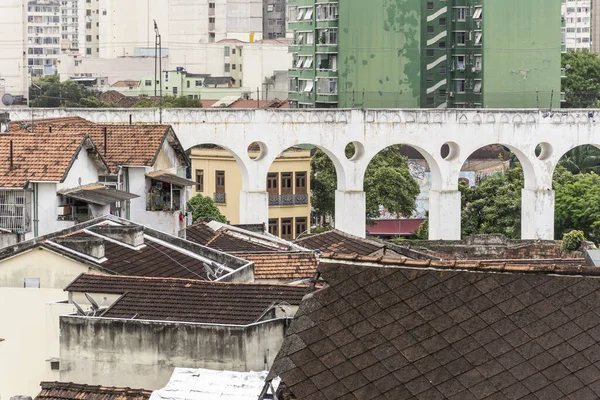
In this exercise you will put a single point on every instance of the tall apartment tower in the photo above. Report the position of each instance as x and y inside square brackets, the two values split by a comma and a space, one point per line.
[13, 44]
[274, 21]
[43, 36]
[436, 53]
[577, 24]
[72, 16]
[595, 21]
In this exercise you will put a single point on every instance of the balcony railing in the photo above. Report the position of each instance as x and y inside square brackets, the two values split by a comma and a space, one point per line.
[14, 211]
[219, 198]
[288, 199]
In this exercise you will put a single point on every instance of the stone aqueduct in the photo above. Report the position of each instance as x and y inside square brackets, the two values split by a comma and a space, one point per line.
[463, 131]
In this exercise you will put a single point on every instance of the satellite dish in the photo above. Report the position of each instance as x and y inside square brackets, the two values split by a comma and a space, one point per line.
[8, 100]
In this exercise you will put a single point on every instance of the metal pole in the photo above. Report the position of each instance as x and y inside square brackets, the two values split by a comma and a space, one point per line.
[155, 60]
[160, 67]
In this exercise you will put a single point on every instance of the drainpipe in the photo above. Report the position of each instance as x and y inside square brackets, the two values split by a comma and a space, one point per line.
[35, 210]
[128, 207]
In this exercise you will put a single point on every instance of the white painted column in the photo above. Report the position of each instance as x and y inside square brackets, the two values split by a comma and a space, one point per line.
[537, 214]
[444, 215]
[254, 207]
[350, 211]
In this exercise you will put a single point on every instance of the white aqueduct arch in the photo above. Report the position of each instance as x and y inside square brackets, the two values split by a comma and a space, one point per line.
[427, 130]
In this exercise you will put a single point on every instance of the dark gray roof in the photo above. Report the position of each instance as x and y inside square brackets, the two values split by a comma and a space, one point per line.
[217, 80]
[398, 330]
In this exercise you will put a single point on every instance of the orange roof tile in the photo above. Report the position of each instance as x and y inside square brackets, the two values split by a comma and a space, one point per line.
[38, 157]
[290, 266]
[131, 145]
[27, 123]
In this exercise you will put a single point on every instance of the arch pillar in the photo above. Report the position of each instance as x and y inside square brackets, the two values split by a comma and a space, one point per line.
[537, 214]
[444, 215]
[350, 211]
[254, 198]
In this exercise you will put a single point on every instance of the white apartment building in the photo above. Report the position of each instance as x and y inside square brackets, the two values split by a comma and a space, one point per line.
[72, 14]
[13, 43]
[43, 36]
[577, 27]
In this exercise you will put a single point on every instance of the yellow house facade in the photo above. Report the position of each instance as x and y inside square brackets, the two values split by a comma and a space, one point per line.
[218, 176]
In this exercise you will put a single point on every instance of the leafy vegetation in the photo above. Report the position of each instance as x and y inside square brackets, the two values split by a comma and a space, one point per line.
[204, 207]
[170, 102]
[582, 82]
[572, 240]
[582, 159]
[388, 182]
[50, 92]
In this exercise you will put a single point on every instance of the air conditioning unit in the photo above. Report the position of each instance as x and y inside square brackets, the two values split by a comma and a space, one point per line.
[451, 94]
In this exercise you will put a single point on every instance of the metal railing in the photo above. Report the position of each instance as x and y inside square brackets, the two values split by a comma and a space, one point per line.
[15, 211]
[220, 198]
[288, 199]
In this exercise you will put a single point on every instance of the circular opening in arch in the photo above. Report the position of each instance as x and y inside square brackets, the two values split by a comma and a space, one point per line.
[257, 150]
[543, 151]
[354, 151]
[450, 151]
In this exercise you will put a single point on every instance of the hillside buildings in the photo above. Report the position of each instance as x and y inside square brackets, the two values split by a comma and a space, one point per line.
[425, 54]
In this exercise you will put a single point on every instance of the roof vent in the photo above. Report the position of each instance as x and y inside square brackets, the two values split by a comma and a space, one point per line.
[592, 257]
[132, 235]
[90, 246]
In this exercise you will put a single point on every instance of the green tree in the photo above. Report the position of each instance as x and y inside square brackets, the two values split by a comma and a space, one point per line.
[50, 92]
[203, 207]
[388, 182]
[170, 102]
[577, 203]
[582, 84]
[582, 159]
[494, 204]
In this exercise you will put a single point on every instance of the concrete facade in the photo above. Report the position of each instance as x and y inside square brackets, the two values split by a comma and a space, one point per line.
[463, 131]
[118, 352]
[13, 42]
[577, 27]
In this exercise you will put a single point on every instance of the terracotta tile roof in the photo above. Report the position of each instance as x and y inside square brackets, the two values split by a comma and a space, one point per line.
[556, 265]
[338, 242]
[188, 300]
[389, 331]
[129, 145]
[38, 157]
[75, 391]
[290, 266]
[66, 121]
[111, 96]
[126, 83]
[225, 241]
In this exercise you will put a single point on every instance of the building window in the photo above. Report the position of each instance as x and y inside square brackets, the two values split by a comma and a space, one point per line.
[430, 52]
[286, 183]
[227, 67]
[429, 77]
[442, 21]
[274, 226]
[272, 184]
[227, 51]
[286, 228]
[460, 38]
[31, 283]
[300, 225]
[219, 197]
[148, 83]
[442, 45]
[460, 86]
[211, 5]
[174, 91]
[430, 101]
[199, 180]
[430, 5]
[198, 83]
[300, 182]
[461, 13]
[233, 66]
[442, 70]
[430, 29]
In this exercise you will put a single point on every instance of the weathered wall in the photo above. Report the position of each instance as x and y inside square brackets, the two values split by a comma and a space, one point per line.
[54, 270]
[29, 327]
[381, 58]
[521, 53]
[143, 354]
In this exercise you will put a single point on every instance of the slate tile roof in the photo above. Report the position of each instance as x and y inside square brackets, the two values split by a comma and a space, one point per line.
[400, 329]
[75, 391]
[289, 266]
[335, 241]
[154, 259]
[129, 145]
[187, 300]
[37, 157]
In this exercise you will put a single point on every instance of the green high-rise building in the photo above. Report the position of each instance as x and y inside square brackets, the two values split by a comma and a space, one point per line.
[417, 53]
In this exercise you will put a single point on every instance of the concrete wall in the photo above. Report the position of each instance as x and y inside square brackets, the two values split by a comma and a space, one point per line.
[115, 69]
[54, 270]
[143, 353]
[13, 61]
[521, 59]
[382, 58]
[31, 337]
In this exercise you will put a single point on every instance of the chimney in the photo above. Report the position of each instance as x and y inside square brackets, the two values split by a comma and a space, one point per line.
[90, 246]
[11, 156]
[132, 235]
[104, 130]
